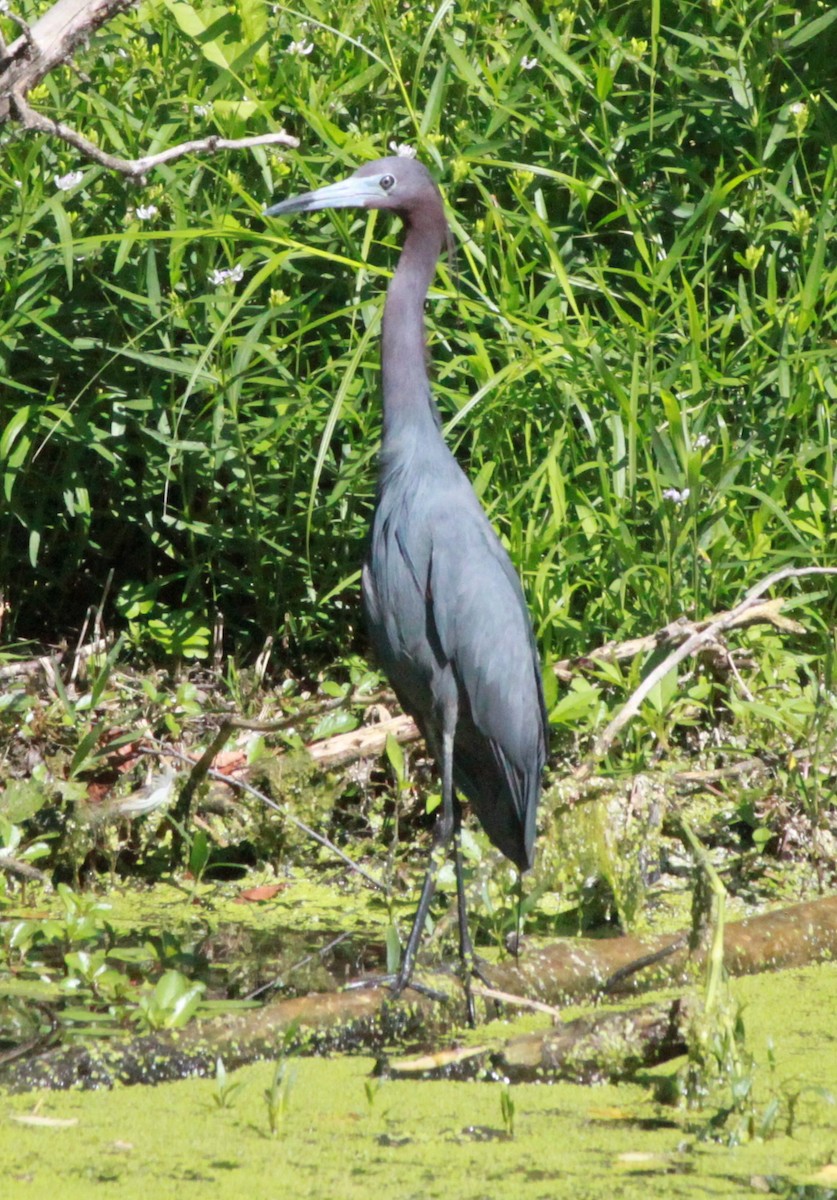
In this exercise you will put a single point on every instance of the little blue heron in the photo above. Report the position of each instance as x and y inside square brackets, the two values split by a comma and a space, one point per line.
[442, 602]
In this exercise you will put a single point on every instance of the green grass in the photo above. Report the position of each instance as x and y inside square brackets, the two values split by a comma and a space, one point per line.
[644, 300]
[633, 353]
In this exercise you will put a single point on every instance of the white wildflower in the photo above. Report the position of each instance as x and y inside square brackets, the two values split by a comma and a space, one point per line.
[226, 275]
[528, 63]
[65, 183]
[4, 6]
[144, 212]
[202, 110]
[302, 48]
[676, 496]
[403, 150]
[702, 441]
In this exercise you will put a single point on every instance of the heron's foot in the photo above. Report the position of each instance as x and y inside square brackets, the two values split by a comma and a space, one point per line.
[472, 967]
[396, 986]
[477, 969]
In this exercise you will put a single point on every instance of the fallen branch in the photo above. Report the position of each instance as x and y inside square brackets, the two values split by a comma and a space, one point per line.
[674, 634]
[368, 1019]
[694, 642]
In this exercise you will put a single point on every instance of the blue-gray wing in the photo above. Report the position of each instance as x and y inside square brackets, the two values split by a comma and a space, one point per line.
[479, 612]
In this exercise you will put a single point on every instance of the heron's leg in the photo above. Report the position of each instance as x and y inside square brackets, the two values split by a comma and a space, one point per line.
[467, 954]
[442, 835]
[466, 946]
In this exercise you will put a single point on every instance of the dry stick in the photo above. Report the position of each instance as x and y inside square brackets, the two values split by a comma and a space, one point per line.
[46, 662]
[673, 634]
[489, 993]
[716, 774]
[182, 808]
[306, 829]
[692, 644]
[138, 168]
[13, 866]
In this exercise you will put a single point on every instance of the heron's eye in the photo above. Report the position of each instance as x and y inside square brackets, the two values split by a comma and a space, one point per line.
[387, 182]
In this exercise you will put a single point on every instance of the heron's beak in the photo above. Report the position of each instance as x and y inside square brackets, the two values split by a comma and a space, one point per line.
[353, 192]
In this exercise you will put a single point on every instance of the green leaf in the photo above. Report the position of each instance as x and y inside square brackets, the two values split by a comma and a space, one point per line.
[395, 756]
[339, 720]
[811, 29]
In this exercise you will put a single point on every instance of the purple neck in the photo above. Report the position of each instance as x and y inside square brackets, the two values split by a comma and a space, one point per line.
[406, 389]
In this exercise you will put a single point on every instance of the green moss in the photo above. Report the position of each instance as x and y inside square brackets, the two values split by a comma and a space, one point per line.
[410, 1139]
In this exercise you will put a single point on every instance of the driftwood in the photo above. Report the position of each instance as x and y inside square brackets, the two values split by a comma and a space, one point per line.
[368, 1019]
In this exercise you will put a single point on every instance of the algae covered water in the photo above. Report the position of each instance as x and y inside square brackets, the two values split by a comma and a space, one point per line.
[343, 1133]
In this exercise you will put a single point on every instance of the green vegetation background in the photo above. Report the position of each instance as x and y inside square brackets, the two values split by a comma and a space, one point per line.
[645, 299]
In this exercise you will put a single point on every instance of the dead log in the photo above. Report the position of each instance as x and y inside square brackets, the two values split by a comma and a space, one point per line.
[605, 1047]
[368, 1019]
[574, 967]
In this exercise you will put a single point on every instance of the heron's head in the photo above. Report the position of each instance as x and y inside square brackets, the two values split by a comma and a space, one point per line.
[402, 185]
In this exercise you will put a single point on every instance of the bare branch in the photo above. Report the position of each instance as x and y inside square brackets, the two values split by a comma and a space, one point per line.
[138, 168]
[767, 612]
[691, 646]
[50, 43]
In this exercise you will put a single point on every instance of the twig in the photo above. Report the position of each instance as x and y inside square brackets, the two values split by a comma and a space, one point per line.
[13, 866]
[715, 774]
[715, 958]
[306, 829]
[730, 661]
[138, 168]
[489, 993]
[692, 644]
[48, 662]
[182, 808]
[36, 1043]
[279, 981]
[22, 25]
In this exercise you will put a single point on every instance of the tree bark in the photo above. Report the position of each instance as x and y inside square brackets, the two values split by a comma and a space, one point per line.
[50, 42]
